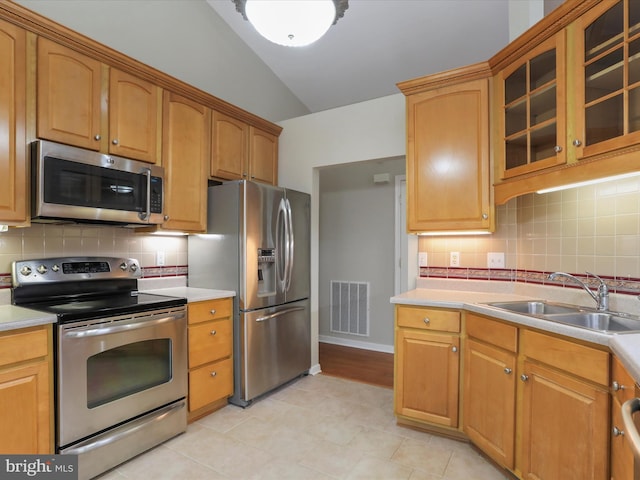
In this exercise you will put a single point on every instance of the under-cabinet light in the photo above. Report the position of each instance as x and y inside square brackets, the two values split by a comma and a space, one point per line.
[4, 228]
[455, 232]
[589, 182]
[169, 233]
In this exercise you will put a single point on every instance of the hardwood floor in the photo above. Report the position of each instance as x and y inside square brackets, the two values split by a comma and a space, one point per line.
[357, 364]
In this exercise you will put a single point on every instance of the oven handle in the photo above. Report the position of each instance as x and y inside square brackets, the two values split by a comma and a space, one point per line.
[95, 332]
[136, 425]
[630, 431]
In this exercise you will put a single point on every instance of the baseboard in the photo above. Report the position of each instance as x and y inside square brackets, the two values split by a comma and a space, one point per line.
[376, 347]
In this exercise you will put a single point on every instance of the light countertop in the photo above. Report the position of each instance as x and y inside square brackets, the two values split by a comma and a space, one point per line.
[12, 317]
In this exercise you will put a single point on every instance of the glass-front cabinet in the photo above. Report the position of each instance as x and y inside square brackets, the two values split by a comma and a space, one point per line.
[532, 117]
[608, 86]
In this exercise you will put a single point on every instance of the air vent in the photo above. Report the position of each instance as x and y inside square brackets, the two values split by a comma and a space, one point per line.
[350, 307]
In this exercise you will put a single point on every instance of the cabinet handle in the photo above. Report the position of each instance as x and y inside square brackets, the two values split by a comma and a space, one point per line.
[557, 149]
[97, 137]
[617, 386]
[213, 332]
[212, 312]
[166, 217]
[617, 432]
[213, 374]
[524, 377]
[577, 143]
[426, 320]
[485, 216]
[114, 141]
[454, 349]
[507, 370]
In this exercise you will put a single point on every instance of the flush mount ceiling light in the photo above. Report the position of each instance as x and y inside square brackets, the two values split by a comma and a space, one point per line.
[292, 23]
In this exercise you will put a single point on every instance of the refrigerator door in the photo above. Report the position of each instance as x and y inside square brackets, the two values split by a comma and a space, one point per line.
[299, 260]
[276, 348]
[262, 254]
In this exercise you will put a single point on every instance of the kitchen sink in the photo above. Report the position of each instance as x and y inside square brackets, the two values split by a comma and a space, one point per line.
[583, 317]
[536, 307]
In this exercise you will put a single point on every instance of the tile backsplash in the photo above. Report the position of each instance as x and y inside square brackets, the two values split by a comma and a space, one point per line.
[43, 240]
[594, 228]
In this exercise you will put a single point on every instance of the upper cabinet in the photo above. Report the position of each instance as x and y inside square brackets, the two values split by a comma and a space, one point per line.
[82, 102]
[243, 152]
[13, 152]
[448, 181]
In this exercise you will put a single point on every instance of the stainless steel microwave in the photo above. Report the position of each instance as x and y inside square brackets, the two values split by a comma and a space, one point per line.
[75, 184]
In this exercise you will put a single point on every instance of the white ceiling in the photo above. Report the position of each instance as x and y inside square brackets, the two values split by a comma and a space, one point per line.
[379, 43]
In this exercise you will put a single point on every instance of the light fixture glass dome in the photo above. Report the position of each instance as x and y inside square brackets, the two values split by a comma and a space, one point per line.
[293, 23]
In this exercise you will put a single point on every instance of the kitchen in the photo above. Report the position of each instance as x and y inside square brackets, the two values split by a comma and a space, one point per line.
[307, 136]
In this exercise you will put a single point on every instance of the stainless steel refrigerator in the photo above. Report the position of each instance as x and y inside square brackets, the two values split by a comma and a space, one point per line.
[258, 244]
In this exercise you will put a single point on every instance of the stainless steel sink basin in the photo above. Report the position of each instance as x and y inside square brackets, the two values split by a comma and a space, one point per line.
[583, 317]
[536, 307]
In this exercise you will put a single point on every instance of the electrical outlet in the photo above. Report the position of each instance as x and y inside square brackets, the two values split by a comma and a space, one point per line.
[495, 259]
[160, 258]
[454, 259]
[422, 259]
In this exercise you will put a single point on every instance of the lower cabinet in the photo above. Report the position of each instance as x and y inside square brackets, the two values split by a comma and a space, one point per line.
[210, 356]
[26, 412]
[427, 365]
[622, 389]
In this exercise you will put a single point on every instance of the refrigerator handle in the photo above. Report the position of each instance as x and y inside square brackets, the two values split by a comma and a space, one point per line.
[290, 250]
[279, 314]
[281, 246]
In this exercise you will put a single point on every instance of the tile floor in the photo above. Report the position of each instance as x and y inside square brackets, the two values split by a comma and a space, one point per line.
[318, 427]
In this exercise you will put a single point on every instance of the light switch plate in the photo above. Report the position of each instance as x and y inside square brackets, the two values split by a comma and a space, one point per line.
[454, 259]
[495, 260]
[160, 258]
[422, 259]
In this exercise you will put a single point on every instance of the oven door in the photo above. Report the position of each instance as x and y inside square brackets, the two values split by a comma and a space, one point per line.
[113, 369]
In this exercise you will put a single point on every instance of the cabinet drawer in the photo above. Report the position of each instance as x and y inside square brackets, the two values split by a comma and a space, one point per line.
[493, 332]
[622, 382]
[210, 383]
[209, 310]
[586, 362]
[428, 318]
[209, 342]
[25, 344]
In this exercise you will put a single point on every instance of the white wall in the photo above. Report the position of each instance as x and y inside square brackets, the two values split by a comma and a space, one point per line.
[364, 131]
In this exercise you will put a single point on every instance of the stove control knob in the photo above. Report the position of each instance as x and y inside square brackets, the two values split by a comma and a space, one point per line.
[25, 270]
[55, 267]
[42, 269]
[123, 266]
[134, 267]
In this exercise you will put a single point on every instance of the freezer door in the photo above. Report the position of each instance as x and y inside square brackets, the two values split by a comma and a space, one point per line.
[299, 259]
[277, 347]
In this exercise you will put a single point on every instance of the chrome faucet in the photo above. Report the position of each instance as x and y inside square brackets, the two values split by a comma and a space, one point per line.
[601, 297]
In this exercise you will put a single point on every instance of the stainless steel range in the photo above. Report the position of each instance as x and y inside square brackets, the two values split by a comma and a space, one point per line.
[120, 357]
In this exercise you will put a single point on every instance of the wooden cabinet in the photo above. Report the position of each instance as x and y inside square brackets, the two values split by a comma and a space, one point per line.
[532, 116]
[210, 355]
[565, 409]
[623, 389]
[13, 153]
[26, 401]
[427, 361]
[448, 182]
[242, 152]
[185, 157]
[82, 102]
[490, 387]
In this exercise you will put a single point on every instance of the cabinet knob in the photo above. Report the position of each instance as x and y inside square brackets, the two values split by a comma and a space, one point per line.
[454, 349]
[212, 312]
[507, 370]
[166, 217]
[485, 216]
[524, 377]
[617, 432]
[213, 374]
[97, 137]
[213, 332]
[577, 143]
[557, 149]
[617, 386]
[114, 141]
[427, 320]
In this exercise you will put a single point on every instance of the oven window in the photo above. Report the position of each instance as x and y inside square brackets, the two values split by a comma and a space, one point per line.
[126, 370]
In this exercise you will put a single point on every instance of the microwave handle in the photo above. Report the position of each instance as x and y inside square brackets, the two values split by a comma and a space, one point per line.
[147, 214]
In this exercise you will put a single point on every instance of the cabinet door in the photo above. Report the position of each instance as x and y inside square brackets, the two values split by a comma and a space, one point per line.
[210, 383]
[13, 155]
[622, 458]
[185, 157]
[24, 410]
[427, 374]
[263, 156]
[209, 341]
[69, 96]
[230, 148]
[448, 159]
[490, 400]
[134, 121]
[565, 426]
